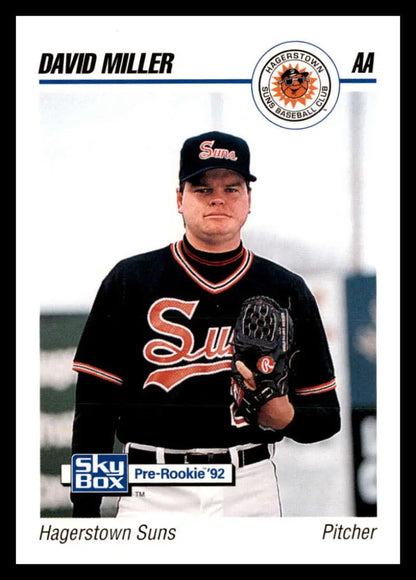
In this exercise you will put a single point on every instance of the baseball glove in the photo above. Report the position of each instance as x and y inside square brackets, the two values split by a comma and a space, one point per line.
[263, 339]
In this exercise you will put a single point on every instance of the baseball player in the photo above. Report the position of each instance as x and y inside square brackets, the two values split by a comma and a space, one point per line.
[160, 367]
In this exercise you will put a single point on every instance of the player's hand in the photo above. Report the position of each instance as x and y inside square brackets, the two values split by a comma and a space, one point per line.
[247, 375]
[276, 413]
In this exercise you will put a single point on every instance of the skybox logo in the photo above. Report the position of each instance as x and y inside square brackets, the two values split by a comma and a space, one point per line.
[99, 473]
[295, 85]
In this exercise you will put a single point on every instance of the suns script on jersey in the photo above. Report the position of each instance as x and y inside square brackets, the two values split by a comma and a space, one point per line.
[164, 353]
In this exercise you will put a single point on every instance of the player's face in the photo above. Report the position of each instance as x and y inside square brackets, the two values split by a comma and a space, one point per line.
[215, 210]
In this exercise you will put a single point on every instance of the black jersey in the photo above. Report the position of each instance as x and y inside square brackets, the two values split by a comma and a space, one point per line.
[154, 359]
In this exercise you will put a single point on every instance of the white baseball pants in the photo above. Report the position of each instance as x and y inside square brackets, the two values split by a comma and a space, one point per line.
[255, 494]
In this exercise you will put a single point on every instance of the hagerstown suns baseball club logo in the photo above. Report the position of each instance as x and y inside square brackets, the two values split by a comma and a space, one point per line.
[295, 85]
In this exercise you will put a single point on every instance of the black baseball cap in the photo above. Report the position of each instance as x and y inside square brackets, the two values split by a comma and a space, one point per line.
[214, 150]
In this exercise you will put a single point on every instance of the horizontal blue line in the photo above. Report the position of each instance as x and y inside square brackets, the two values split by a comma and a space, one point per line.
[366, 81]
[166, 81]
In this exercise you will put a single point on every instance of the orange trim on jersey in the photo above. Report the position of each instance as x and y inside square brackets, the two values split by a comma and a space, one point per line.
[169, 378]
[237, 421]
[90, 370]
[317, 389]
[189, 253]
[211, 287]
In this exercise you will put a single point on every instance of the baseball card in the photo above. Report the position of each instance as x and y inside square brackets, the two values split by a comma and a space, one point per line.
[207, 289]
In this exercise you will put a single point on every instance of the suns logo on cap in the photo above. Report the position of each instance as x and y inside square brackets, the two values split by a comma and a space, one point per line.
[295, 85]
[207, 152]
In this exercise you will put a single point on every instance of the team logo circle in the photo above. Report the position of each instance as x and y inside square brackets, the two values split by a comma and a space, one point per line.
[265, 364]
[295, 85]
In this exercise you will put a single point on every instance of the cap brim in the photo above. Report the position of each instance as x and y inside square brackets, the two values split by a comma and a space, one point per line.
[200, 171]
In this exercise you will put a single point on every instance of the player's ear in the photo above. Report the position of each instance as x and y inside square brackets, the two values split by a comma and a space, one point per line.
[179, 198]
